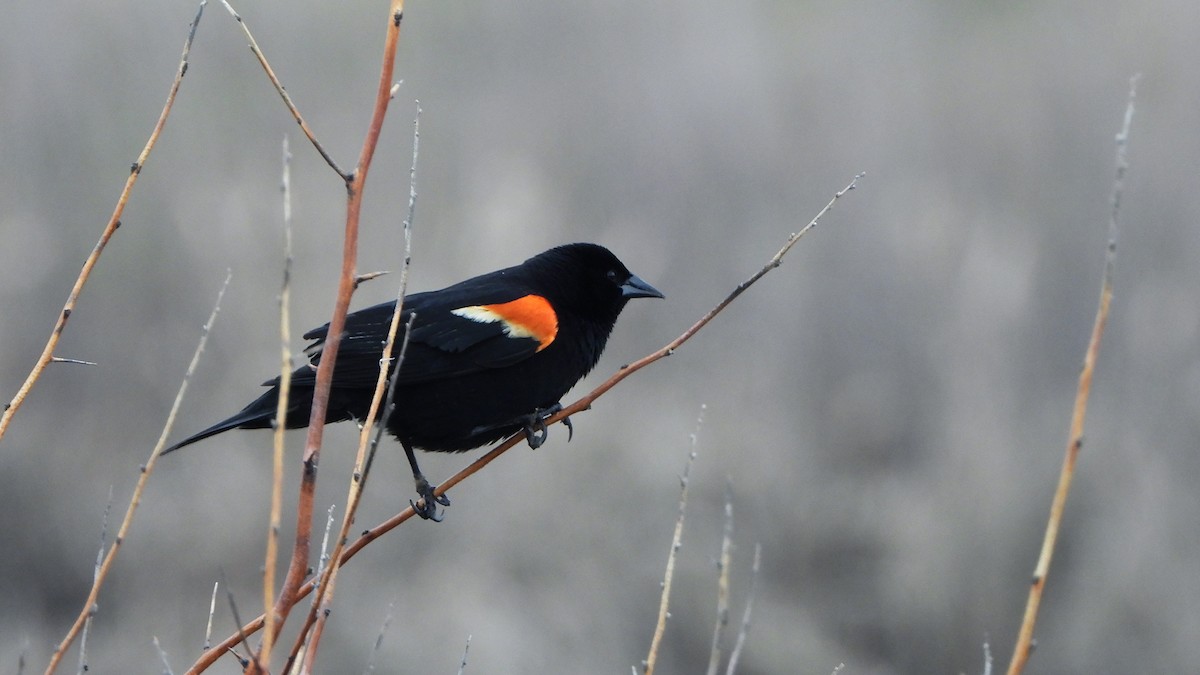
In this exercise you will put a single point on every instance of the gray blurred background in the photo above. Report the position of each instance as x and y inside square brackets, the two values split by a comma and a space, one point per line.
[890, 406]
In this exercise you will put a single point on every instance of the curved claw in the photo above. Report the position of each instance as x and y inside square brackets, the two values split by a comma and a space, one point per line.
[422, 508]
[426, 506]
[536, 430]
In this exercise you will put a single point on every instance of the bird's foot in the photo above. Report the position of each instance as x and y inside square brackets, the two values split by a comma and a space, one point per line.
[426, 506]
[535, 428]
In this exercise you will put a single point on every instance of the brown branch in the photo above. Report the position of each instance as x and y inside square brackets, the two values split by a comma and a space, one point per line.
[584, 403]
[114, 222]
[1024, 645]
[287, 100]
[146, 470]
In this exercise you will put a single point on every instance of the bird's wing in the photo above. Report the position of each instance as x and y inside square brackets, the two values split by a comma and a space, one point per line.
[456, 331]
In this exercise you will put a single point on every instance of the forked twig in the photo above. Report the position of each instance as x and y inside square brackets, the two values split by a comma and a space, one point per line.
[1024, 644]
[136, 499]
[114, 222]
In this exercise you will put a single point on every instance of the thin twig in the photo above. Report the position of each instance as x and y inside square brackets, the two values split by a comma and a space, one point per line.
[660, 626]
[1024, 644]
[387, 621]
[744, 630]
[582, 404]
[212, 609]
[79, 362]
[162, 655]
[368, 276]
[287, 100]
[114, 222]
[249, 660]
[136, 499]
[987, 658]
[723, 565]
[87, 624]
[285, 388]
[83, 638]
[462, 666]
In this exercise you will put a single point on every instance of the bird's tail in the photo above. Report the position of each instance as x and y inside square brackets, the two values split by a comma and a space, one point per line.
[257, 415]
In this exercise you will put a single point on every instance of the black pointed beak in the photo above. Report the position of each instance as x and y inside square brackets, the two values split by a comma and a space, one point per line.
[636, 288]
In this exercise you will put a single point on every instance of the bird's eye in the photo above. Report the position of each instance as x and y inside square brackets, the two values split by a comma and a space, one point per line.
[612, 276]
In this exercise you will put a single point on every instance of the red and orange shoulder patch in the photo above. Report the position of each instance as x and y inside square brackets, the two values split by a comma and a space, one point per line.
[529, 316]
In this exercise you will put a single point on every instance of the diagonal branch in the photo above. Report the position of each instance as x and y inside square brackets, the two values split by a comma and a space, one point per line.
[114, 222]
[287, 100]
[1024, 646]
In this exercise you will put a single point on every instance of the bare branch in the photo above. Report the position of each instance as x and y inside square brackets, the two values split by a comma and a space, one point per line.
[1024, 645]
[287, 100]
[114, 222]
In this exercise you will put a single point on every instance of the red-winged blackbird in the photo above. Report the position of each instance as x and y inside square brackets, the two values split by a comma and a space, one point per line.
[486, 358]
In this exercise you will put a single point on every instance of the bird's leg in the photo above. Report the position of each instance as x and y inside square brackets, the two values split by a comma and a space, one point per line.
[426, 507]
[534, 425]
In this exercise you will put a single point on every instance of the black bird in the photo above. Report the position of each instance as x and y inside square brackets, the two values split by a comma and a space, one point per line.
[487, 357]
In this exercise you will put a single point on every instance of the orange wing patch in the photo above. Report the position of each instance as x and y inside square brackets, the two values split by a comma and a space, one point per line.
[529, 316]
